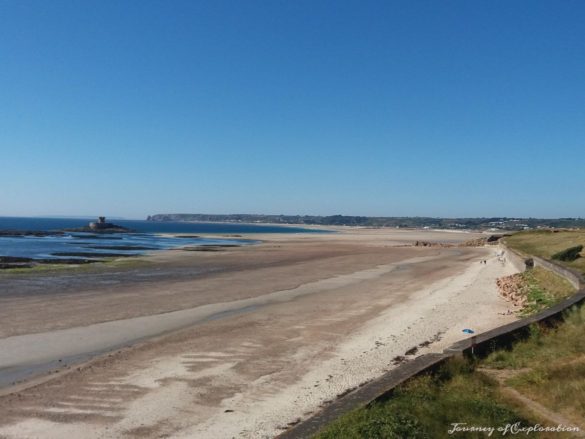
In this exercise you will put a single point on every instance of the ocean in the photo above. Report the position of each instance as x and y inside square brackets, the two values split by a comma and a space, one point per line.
[147, 237]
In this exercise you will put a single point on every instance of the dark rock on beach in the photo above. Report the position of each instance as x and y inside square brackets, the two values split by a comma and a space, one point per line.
[15, 265]
[87, 229]
[120, 247]
[14, 259]
[93, 255]
[209, 248]
[15, 262]
[97, 237]
[67, 261]
[7, 262]
[39, 233]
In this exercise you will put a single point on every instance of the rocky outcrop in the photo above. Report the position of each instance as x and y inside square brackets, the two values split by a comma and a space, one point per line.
[8, 262]
[432, 244]
[478, 242]
[114, 229]
[513, 289]
[101, 226]
[39, 233]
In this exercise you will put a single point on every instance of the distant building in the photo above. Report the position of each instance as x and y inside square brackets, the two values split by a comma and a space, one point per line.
[101, 224]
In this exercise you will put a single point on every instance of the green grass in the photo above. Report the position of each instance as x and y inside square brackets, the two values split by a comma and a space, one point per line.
[559, 385]
[545, 345]
[543, 288]
[555, 359]
[426, 407]
[552, 363]
[545, 243]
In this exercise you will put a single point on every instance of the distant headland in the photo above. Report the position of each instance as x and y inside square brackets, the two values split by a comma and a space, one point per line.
[490, 224]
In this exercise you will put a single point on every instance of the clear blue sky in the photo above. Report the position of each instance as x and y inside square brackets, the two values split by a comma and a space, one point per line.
[428, 108]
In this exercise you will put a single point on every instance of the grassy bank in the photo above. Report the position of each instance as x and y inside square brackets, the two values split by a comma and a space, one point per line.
[546, 372]
[545, 243]
[543, 289]
[550, 366]
[427, 406]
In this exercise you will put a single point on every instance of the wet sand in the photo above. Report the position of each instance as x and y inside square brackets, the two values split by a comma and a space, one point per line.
[256, 337]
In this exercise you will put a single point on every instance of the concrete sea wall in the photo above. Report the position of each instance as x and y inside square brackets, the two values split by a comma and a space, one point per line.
[572, 276]
[518, 261]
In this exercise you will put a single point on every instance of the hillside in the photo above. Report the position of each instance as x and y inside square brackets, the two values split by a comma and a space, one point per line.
[365, 221]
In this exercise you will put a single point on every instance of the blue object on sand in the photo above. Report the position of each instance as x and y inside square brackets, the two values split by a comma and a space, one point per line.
[469, 331]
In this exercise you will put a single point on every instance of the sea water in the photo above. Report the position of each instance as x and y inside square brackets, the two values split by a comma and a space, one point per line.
[147, 236]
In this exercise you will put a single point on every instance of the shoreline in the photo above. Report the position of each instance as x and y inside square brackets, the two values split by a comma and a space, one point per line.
[30, 249]
[332, 227]
[310, 304]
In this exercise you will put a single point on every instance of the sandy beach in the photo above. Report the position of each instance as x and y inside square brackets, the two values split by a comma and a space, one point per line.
[234, 343]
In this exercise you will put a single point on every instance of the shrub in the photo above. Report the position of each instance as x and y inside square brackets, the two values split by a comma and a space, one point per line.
[569, 254]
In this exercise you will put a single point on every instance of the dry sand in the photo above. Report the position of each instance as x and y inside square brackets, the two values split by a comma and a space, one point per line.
[270, 333]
